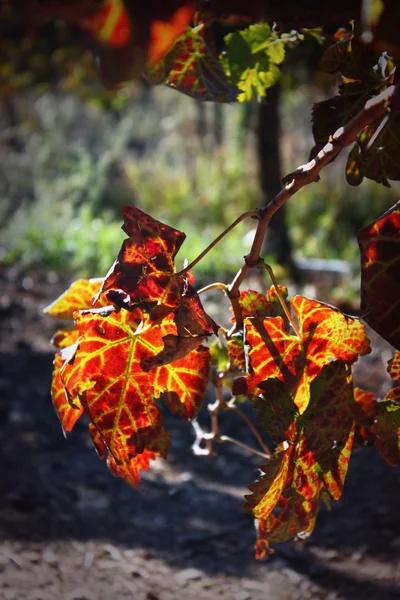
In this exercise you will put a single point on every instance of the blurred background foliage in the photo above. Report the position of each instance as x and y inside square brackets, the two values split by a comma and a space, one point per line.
[68, 163]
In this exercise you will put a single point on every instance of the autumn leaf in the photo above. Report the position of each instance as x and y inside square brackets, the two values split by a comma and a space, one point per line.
[78, 296]
[326, 335]
[314, 454]
[130, 471]
[379, 422]
[380, 283]
[193, 68]
[67, 412]
[119, 397]
[365, 73]
[144, 276]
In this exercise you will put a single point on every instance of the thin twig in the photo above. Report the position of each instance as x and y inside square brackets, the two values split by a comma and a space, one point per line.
[226, 438]
[250, 425]
[249, 214]
[212, 286]
[282, 300]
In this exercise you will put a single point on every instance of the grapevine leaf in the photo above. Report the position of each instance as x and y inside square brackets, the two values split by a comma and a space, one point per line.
[394, 366]
[80, 295]
[379, 422]
[365, 73]
[380, 266]
[326, 334]
[236, 352]
[318, 448]
[144, 276]
[130, 471]
[219, 355]
[67, 412]
[106, 376]
[193, 68]
[252, 58]
[184, 382]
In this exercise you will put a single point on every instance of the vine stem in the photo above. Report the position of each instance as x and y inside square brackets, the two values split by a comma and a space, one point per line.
[215, 437]
[282, 300]
[217, 285]
[249, 214]
[267, 451]
[308, 173]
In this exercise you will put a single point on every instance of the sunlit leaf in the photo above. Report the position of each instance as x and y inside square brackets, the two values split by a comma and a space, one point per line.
[67, 412]
[144, 276]
[318, 446]
[79, 296]
[380, 282]
[119, 397]
[326, 334]
[193, 68]
[252, 58]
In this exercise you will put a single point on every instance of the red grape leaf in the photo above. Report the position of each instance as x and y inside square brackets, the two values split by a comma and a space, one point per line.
[117, 394]
[144, 276]
[394, 366]
[318, 446]
[130, 471]
[184, 382]
[67, 412]
[255, 304]
[78, 296]
[236, 352]
[326, 335]
[380, 282]
[193, 68]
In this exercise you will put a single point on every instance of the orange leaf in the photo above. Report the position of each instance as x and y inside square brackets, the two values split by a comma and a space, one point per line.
[164, 33]
[144, 276]
[318, 445]
[80, 295]
[67, 412]
[326, 335]
[117, 394]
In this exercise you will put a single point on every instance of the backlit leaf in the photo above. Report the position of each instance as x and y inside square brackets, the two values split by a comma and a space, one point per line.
[326, 334]
[67, 412]
[80, 295]
[380, 282]
[252, 58]
[318, 447]
[193, 68]
[144, 276]
[119, 397]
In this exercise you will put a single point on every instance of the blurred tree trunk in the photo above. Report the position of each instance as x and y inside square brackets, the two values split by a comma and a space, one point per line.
[218, 128]
[271, 178]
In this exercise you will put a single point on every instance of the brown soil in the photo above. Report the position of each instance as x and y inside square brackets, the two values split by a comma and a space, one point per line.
[72, 532]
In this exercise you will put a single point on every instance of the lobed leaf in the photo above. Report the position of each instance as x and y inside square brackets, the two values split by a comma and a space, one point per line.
[144, 276]
[192, 67]
[380, 283]
[326, 335]
[78, 296]
[318, 445]
[105, 374]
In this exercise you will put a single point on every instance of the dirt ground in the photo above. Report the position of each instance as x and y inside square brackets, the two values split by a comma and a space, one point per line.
[70, 531]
